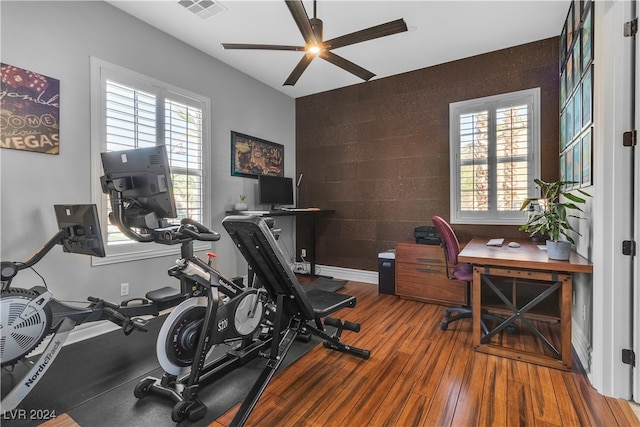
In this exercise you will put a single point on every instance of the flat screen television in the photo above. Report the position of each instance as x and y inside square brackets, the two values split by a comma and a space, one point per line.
[143, 179]
[275, 191]
[82, 228]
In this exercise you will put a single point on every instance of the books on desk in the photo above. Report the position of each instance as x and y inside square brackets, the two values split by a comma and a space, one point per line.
[495, 242]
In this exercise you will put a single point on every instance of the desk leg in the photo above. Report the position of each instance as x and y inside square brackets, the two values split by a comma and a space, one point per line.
[476, 303]
[562, 283]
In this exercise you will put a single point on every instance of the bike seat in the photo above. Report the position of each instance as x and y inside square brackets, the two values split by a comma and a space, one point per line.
[165, 297]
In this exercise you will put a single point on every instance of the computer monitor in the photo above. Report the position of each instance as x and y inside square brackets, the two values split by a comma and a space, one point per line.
[275, 190]
[142, 178]
[82, 228]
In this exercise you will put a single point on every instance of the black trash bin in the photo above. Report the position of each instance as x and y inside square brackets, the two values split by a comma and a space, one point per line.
[387, 272]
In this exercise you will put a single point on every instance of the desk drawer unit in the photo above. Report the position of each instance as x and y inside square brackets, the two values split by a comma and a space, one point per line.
[420, 275]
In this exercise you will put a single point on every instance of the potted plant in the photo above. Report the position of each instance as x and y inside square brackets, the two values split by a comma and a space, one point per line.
[241, 205]
[552, 217]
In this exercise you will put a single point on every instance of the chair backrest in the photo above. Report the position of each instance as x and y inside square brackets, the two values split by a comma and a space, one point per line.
[449, 239]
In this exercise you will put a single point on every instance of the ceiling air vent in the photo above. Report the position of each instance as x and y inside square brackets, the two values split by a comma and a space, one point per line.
[203, 8]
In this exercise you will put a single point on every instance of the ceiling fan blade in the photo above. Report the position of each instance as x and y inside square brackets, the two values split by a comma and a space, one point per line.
[382, 30]
[297, 72]
[262, 47]
[346, 65]
[302, 20]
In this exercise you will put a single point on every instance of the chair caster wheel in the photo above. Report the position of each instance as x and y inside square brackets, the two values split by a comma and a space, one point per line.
[444, 326]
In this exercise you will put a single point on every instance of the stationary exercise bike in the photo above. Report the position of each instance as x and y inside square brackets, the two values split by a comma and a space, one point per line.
[27, 316]
[219, 309]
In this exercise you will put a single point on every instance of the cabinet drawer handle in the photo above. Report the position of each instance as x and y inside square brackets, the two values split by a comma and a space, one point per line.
[428, 260]
[424, 270]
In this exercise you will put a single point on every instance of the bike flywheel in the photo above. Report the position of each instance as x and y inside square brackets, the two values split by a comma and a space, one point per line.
[178, 337]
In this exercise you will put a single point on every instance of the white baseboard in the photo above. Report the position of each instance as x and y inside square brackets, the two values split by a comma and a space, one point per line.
[348, 274]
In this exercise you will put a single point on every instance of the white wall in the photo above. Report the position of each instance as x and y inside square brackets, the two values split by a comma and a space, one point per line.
[612, 222]
[57, 39]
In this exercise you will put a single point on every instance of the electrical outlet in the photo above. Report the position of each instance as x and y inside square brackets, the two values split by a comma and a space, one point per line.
[303, 253]
[124, 289]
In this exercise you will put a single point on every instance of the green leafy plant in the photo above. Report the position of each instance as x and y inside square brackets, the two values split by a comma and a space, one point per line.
[552, 219]
[242, 197]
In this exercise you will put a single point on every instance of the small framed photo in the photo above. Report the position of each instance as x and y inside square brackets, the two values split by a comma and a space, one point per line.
[568, 24]
[251, 156]
[587, 39]
[577, 168]
[577, 112]
[587, 158]
[569, 166]
[569, 70]
[563, 131]
[587, 97]
[568, 115]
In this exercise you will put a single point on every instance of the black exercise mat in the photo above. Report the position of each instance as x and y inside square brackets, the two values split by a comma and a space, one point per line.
[329, 285]
[93, 382]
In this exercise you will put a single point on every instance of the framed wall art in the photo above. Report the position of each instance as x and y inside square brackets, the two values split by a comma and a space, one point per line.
[576, 94]
[586, 158]
[29, 111]
[251, 156]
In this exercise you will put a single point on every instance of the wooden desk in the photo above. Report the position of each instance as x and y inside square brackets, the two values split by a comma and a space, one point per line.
[523, 266]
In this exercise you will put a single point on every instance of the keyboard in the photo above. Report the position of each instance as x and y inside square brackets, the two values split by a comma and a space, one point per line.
[495, 242]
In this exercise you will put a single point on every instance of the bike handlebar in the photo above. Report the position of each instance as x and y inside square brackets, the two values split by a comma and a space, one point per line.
[197, 231]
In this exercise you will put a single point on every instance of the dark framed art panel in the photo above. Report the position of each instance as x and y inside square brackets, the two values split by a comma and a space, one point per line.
[576, 95]
[251, 156]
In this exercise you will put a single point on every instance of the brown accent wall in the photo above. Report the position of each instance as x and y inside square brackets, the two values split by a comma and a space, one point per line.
[378, 152]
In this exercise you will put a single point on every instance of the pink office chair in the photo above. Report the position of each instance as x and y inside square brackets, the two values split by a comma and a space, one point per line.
[462, 272]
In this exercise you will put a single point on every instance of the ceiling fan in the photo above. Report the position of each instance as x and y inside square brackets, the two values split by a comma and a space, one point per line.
[311, 30]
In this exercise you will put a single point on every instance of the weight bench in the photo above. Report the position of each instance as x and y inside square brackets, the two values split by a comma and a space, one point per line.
[297, 312]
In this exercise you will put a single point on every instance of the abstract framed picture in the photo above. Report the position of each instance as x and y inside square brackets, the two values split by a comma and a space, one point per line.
[29, 111]
[251, 156]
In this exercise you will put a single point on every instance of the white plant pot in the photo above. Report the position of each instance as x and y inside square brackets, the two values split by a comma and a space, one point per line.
[560, 250]
[241, 206]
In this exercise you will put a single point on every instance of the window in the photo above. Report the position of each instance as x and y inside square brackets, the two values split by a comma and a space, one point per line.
[133, 111]
[495, 155]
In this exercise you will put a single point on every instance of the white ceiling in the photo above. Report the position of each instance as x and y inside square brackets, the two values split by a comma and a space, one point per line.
[439, 31]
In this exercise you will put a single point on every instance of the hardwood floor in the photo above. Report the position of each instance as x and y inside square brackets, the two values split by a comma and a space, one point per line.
[419, 375]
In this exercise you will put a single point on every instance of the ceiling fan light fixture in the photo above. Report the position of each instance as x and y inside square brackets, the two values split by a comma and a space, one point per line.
[314, 49]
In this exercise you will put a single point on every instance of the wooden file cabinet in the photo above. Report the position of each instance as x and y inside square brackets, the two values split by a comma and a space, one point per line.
[420, 274]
